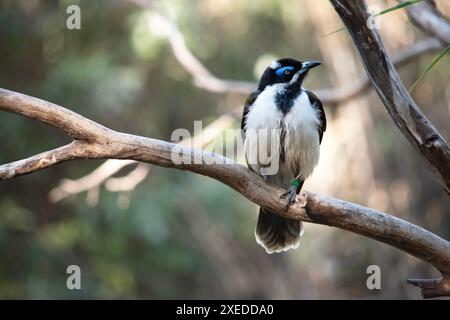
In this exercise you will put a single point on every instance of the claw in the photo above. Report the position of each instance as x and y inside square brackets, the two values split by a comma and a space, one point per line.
[291, 196]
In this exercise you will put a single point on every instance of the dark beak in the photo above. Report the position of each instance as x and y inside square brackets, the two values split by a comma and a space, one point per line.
[310, 64]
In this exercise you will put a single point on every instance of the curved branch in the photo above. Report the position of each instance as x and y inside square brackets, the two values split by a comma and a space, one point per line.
[204, 79]
[70, 122]
[130, 181]
[101, 142]
[426, 16]
[400, 58]
[432, 287]
[104, 173]
[408, 117]
[90, 181]
[41, 161]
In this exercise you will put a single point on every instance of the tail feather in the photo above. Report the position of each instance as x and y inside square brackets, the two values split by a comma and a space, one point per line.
[276, 233]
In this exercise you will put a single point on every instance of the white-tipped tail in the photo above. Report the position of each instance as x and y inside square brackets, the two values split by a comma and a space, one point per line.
[277, 234]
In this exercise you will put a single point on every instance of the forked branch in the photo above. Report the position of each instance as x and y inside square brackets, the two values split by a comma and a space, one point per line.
[405, 113]
[92, 141]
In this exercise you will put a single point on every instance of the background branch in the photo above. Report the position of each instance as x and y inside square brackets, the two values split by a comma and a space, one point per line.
[104, 173]
[408, 117]
[399, 59]
[426, 16]
[100, 142]
[204, 79]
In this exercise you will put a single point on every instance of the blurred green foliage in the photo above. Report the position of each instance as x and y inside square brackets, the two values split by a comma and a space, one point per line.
[177, 235]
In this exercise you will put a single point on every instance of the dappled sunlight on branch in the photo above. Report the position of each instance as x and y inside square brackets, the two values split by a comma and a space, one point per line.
[205, 80]
[93, 141]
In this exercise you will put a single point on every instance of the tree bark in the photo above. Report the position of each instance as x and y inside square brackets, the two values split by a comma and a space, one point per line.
[408, 117]
[92, 141]
[426, 16]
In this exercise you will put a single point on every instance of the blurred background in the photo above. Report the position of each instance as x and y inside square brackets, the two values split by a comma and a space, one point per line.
[132, 67]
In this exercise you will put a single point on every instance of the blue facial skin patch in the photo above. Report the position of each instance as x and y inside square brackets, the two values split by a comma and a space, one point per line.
[280, 71]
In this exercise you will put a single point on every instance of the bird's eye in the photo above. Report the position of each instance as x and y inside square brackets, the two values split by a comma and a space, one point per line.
[284, 71]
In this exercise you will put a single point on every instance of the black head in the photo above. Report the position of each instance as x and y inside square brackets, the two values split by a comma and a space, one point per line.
[286, 70]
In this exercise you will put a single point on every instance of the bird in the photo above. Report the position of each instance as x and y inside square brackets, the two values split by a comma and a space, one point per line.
[289, 121]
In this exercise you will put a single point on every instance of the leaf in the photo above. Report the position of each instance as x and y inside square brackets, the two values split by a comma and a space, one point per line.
[429, 67]
[399, 6]
[396, 7]
[335, 31]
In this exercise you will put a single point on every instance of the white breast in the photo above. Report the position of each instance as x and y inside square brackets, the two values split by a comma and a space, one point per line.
[262, 117]
[264, 112]
[301, 142]
[302, 146]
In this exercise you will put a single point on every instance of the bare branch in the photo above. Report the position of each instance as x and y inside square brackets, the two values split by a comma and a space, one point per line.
[205, 80]
[432, 287]
[333, 96]
[400, 58]
[92, 180]
[426, 16]
[408, 117]
[130, 181]
[202, 77]
[104, 173]
[41, 161]
[70, 122]
[100, 142]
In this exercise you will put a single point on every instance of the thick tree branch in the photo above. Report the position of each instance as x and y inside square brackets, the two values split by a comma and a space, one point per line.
[41, 161]
[408, 117]
[426, 16]
[104, 173]
[100, 142]
[70, 122]
[205, 80]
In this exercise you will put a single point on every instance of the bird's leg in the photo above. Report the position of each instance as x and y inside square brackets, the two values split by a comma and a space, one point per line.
[292, 192]
[290, 195]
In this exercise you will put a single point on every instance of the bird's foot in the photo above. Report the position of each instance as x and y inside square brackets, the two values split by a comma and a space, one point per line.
[291, 196]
